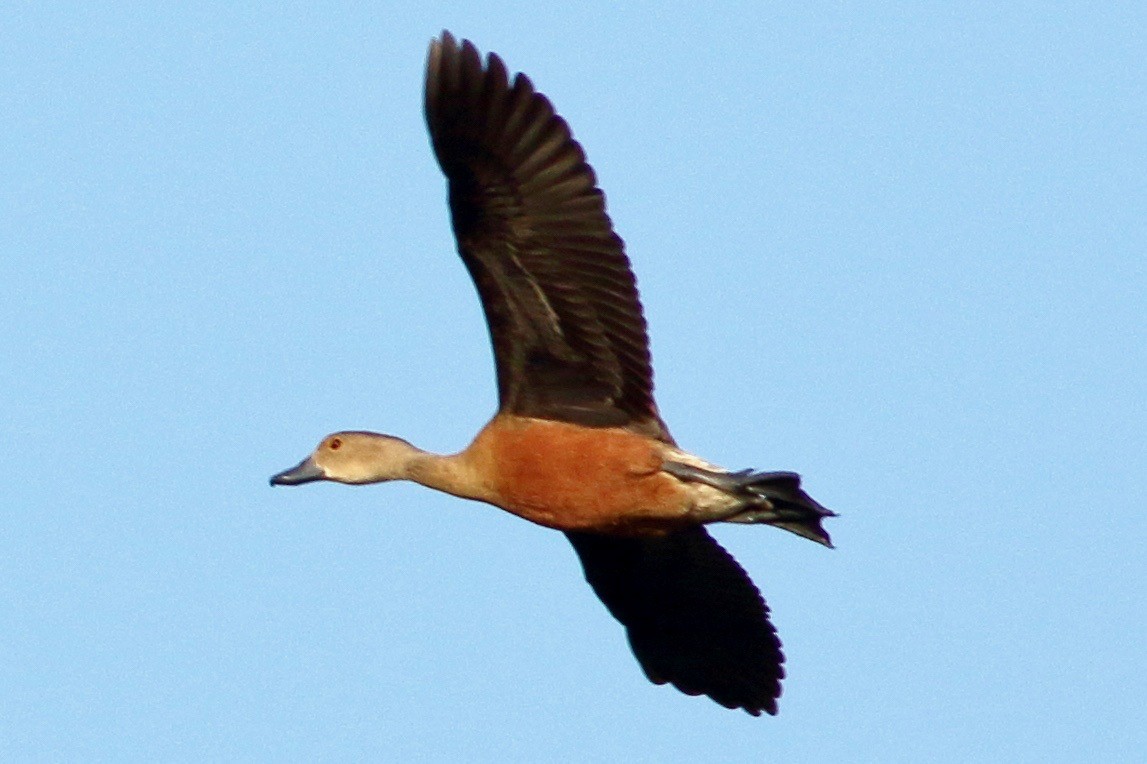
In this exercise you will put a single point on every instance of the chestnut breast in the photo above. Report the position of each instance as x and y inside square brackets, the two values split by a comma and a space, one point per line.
[572, 477]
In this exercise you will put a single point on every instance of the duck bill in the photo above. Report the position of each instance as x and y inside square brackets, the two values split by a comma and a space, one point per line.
[305, 471]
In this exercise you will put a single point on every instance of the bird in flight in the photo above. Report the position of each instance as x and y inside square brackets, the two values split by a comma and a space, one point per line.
[577, 443]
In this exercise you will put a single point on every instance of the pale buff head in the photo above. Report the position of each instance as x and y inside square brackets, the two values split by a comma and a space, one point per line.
[352, 457]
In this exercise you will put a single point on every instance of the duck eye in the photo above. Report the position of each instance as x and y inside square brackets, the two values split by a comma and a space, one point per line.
[335, 444]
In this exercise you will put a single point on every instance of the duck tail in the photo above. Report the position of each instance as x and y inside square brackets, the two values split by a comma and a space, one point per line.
[771, 498]
[776, 498]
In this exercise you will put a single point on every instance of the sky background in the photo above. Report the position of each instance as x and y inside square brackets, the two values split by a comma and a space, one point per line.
[897, 247]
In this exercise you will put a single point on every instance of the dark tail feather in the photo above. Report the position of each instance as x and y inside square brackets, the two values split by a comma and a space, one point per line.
[785, 504]
[772, 498]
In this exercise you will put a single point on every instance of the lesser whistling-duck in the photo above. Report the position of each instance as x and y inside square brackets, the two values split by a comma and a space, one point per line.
[577, 444]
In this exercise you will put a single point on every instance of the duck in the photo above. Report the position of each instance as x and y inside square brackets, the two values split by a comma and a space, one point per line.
[577, 443]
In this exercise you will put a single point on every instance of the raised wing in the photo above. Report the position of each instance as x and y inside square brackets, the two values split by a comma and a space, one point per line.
[693, 617]
[559, 296]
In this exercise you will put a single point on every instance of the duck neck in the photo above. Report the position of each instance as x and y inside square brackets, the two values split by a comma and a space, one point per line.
[451, 474]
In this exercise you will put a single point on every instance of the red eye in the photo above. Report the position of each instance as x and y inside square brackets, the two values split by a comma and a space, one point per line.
[335, 444]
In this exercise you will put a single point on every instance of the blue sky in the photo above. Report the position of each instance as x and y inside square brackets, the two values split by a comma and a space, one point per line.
[897, 247]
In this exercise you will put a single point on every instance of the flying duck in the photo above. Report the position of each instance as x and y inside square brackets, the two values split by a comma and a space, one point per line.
[577, 443]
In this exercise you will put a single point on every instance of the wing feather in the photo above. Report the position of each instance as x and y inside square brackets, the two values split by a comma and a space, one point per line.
[693, 616]
[560, 298]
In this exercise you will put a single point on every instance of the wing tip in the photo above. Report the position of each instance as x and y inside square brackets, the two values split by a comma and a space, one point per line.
[693, 617]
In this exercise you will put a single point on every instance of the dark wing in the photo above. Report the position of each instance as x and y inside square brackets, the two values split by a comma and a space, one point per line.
[693, 617]
[560, 298]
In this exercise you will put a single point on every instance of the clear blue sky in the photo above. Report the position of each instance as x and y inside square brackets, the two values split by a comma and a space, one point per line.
[897, 247]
